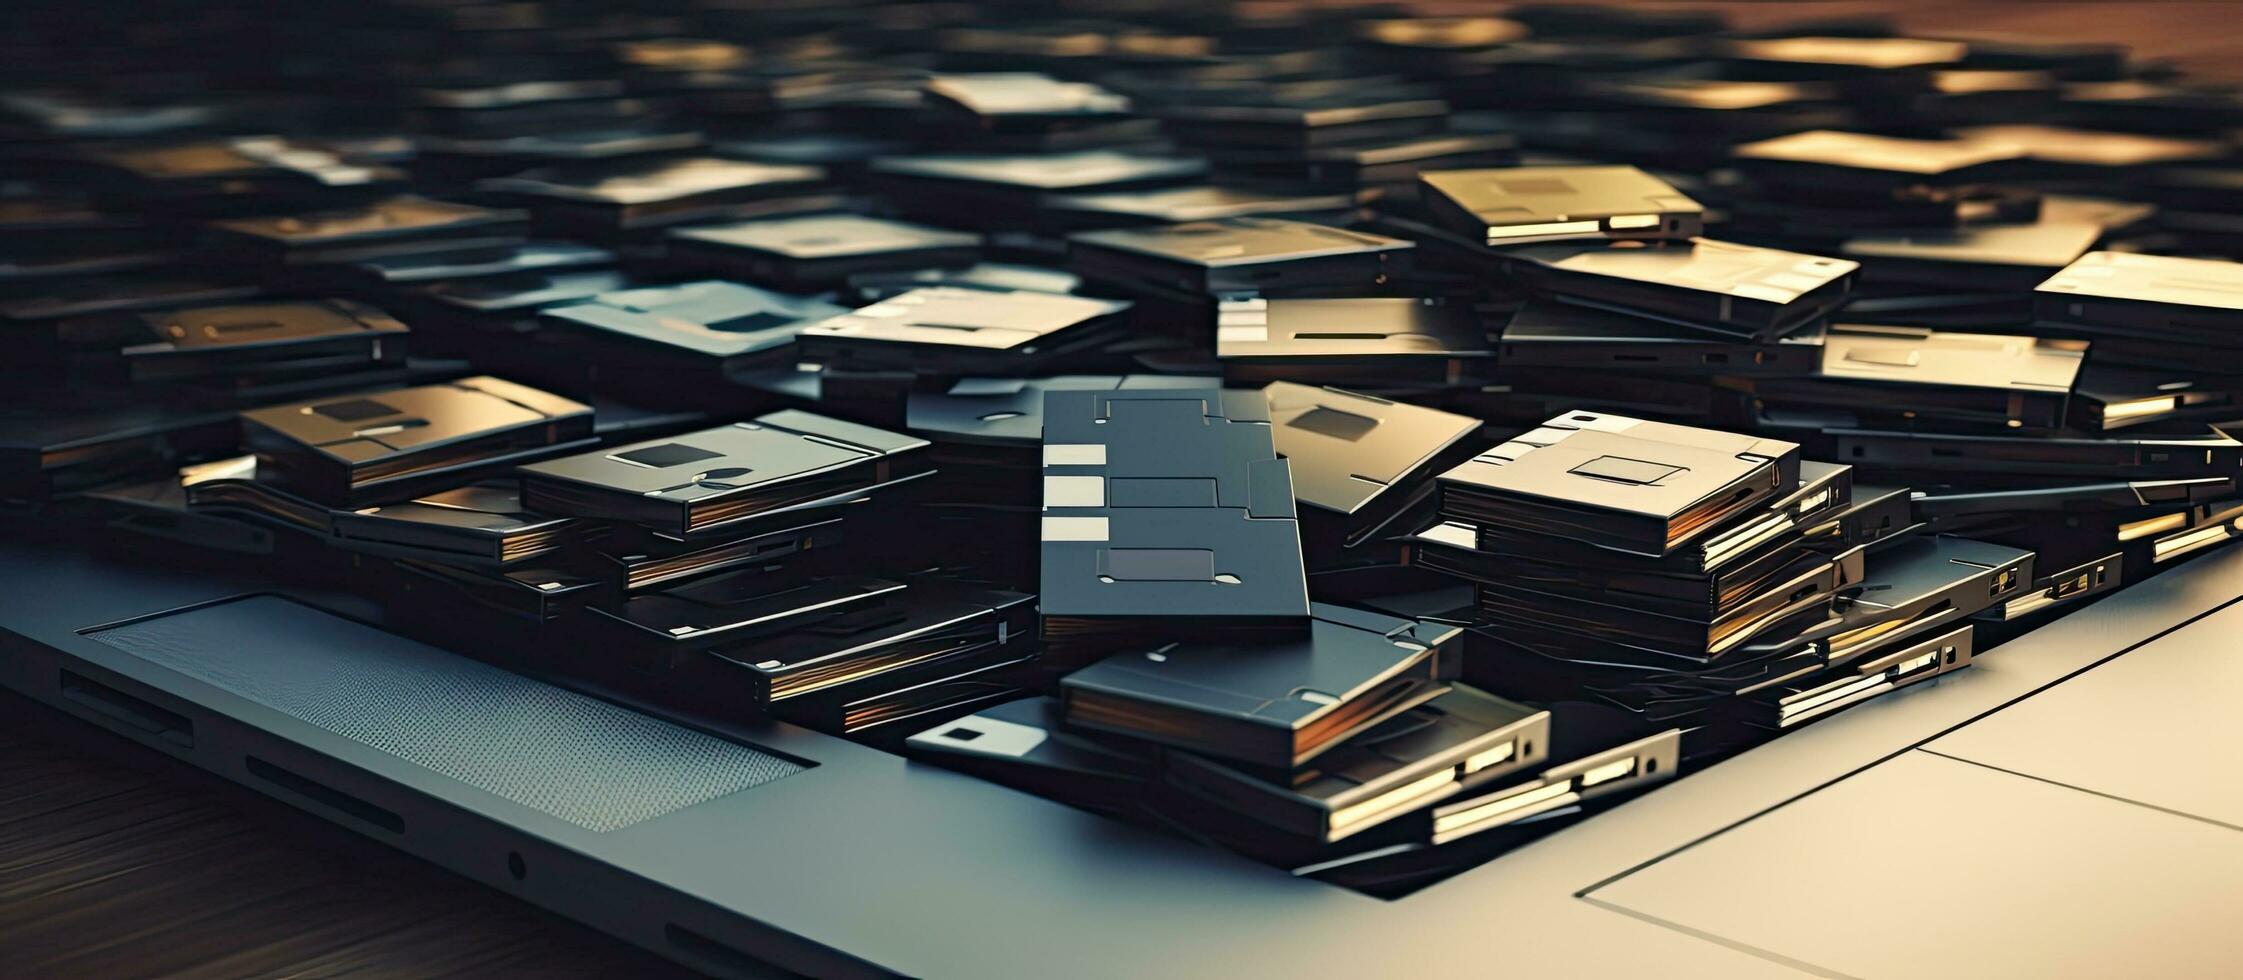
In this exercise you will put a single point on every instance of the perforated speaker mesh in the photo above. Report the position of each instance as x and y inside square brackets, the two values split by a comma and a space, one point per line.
[561, 753]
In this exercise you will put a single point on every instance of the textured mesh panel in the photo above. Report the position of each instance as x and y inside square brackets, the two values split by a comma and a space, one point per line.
[574, 757]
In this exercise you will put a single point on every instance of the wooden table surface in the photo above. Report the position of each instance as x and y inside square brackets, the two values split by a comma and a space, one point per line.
[2198, 36]
[117, 862]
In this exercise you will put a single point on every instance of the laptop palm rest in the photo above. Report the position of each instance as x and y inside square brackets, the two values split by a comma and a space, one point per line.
[567, 755]
[2041, 840]
[1927, 866]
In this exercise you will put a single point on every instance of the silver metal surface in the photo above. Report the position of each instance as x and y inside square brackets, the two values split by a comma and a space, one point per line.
[2159, 726]
[1926, 867]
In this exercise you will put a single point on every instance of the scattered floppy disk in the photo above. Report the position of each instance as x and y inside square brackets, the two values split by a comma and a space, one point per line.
[394, 226]
[1862, 163]
[481, 524]
[1423, 756]
[1796, 702]
[854, 644]
[2159, 297]
[2000, 380]
[393, 444]
[629, 195]
[1370, 341]
[1522, 205]
[1742, 290]
[815, 252]
[1560, 335]
[1277, 705]
[711, 323]
[1361, 462]
[234, 341]
[1236, 255]
[707, 481]
[1166, 511]
[954, 330]
[1025, 743]
[1618, 482]
[475, 263]
[1191, 202]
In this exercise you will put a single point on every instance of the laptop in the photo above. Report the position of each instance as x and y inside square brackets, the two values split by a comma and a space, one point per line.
[2058, 810]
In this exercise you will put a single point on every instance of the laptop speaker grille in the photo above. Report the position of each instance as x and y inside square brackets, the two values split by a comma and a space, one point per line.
[569, 756]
